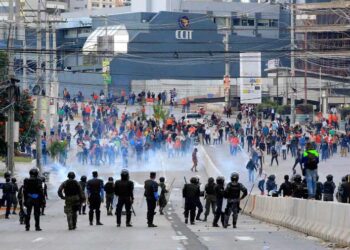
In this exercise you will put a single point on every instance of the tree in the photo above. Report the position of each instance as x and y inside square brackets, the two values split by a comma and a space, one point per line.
[160, 113]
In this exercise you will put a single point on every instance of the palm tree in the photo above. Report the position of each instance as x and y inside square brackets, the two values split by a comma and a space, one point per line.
[160, 113]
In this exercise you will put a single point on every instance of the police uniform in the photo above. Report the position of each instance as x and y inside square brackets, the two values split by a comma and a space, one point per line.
[33, 196]
[124, 189]
[233, 195]
[7, 197]
[95, 196]
[151, 194]
[109, 190]
[162, 199]
[219, 192]
[210, 197]
[82, 184]
[73, 196]
[190, 192]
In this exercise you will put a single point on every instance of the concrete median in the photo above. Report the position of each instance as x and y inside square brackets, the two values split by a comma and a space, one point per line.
[326, 220]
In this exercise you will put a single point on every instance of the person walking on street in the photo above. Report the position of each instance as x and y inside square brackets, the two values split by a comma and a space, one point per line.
[251, 166]
[162, 199]
[14, 191]
[6, 195]
[310, 164]
[95, 197]
[274, 155]
[82, 184]
[73, 197]
[124, 190]
[219, 193]
[152, 196]
[194, 160]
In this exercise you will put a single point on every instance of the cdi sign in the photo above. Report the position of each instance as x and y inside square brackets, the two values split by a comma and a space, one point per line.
[183, 34]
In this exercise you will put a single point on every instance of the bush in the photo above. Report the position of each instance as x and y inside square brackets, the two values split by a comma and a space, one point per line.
[304, 109]
[266, 105]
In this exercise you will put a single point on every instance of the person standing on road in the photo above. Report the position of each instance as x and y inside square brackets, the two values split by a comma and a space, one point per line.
[194, 160]
[210, 197]
[73, 196]
[219, 193]
[95, 196]
[33, 197]
[7, 195]
[328, 189]
[286, 187]
[274, 155]
[162, 199]
[82, 184]
[190, 192]
[152, 196]
[124, 189]
[109, 190]
[14, 191]
[310, 163]
[233, 195]
[343, 193]
[251, 166]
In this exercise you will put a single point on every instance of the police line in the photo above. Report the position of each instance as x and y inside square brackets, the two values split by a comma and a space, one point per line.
[326, 220]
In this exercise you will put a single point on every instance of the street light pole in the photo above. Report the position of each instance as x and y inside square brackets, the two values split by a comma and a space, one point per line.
[321, 90]
[227, 61]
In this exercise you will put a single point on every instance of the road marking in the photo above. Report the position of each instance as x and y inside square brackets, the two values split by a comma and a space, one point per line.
[37, 239]
[207, 238]
[179, 237]
[244, 238]
[179, 232]
[170, 218]
[176, 189]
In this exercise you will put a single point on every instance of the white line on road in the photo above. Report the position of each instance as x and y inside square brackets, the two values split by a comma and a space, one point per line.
[244, 238]
[207, 238]
[179, 232]
[37, 239]
[179, 237]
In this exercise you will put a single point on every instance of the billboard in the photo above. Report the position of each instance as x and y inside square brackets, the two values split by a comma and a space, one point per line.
[250, 78]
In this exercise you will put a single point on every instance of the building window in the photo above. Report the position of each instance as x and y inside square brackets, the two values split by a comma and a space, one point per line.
[247, 22]
[103, 6]
[236, 21]
[95, 5]
[263, 22]
[273, 23]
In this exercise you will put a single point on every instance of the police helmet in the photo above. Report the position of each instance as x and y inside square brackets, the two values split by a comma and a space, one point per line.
[286, 177]
[234, 176]
[43, 179]
[161, 179]
[329, 177]
[211, 180]
[124, 174]
[7, 174]
[83, 178]
[220, 180]
[193, 180]
[13, 180]
[33, 172]
[94, 174]
[272, 177]
[110, 178]
[71, 175]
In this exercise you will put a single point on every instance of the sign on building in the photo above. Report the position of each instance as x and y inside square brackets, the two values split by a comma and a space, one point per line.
[250, 78]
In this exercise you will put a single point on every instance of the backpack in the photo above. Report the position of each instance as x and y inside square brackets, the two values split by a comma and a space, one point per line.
[311, 161]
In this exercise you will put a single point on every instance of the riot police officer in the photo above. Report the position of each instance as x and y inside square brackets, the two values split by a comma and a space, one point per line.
[109, 190]
[43, 205]
[297, 187]
[219, 193]
[33, 196]
[7, 196]
[95, 196]
[152, 196]
[14, 191]
[73, 196]
[124, 189]
[191, 193]
[82, 184]
[329, 188]
[233, 195]
[198, 200]
[210, 197]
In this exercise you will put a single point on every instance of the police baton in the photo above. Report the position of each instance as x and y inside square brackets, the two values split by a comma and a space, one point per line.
[250, 192]
[132, 210]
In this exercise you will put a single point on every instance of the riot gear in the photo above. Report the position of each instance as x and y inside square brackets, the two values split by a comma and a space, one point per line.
[234, 177]
[33, 172]
[71, 175]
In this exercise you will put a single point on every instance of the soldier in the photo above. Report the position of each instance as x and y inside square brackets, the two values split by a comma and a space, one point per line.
[198, 201]
[109, 190]
[124, 189]
[7, 195]
[33, 196]
[95, 196]
[45, 195]
[152, 196]
[162, 200]
[297, 187]
[73, 196]
[210, 197]
[319, 189]
[14, 191]
[219, 193]
[82, 184]
[190, 192]
[343, 193]
[233, 195]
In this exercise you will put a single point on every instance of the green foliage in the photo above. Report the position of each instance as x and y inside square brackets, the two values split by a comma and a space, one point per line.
[284, 109]
[267, 104]
[56, 148]
[160, 113]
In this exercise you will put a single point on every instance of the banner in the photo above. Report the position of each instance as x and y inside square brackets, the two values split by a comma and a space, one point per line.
[250, 78]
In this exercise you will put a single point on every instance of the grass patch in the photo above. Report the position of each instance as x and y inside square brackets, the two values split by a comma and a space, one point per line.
[19, 159]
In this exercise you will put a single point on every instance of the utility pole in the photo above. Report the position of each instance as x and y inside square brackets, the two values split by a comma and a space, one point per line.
[54, 84]
[39, 82]
[320, 82]
[11, 112]
[292, 62]
[227, 61]
[47, 72]
[305, 68]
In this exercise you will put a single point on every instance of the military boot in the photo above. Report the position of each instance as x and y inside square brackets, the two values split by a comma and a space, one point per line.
[98, 215]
